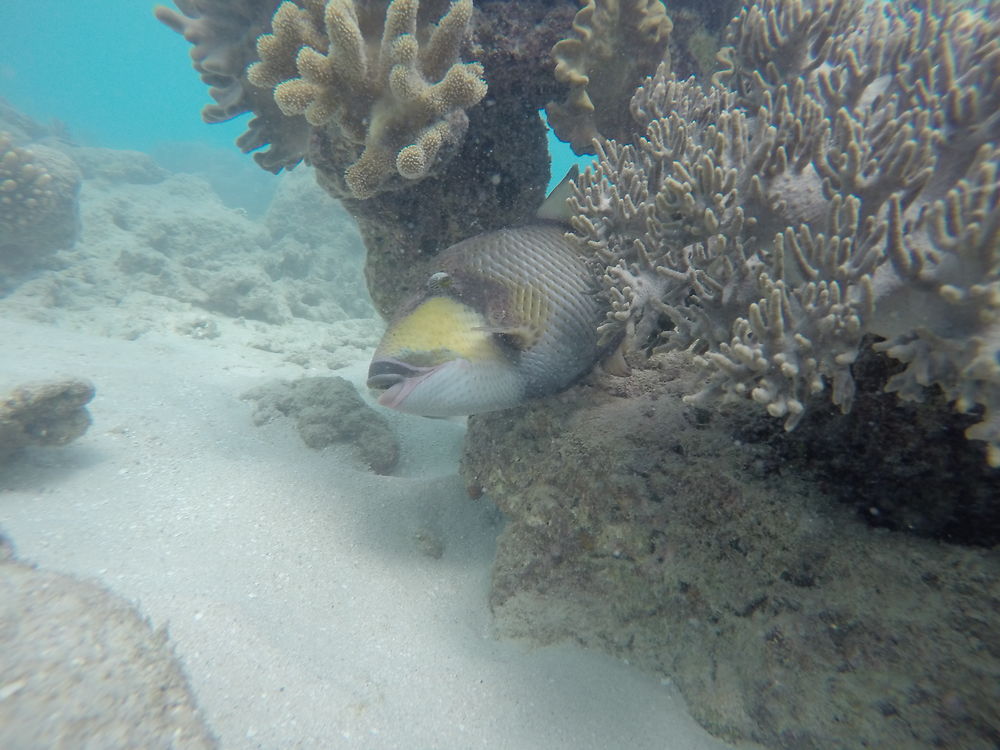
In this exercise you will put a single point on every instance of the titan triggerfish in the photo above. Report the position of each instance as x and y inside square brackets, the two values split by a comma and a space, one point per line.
[505, 316]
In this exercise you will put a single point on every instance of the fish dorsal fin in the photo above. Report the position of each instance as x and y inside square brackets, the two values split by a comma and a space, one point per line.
[555, 207]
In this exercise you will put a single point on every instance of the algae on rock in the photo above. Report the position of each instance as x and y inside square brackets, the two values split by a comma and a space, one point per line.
[656, 531]
[328, 411]
[43, 413]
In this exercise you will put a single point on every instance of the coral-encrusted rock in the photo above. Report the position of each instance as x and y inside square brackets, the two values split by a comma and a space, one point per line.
[494, 176]
[395, 95]
[327, 411]
[640, 526]
[496, 179]
[38, 203]
[45, 413]
[81, 668]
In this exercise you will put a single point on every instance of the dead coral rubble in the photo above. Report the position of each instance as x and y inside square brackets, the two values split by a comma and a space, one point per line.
[44, 413]
[329, 411]
[842, 179]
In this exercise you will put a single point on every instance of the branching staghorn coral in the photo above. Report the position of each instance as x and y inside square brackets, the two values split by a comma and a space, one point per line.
[397, 100]
[616, 44]
[841, 179]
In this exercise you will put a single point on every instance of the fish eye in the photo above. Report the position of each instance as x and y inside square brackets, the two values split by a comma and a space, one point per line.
[439, 281]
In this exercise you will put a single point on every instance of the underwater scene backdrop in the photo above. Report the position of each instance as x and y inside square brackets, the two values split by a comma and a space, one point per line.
[320, 426]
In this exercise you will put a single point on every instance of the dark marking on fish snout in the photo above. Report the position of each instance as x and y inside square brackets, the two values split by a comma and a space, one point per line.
[385, 373]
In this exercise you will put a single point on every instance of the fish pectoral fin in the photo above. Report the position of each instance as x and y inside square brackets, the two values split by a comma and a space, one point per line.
[614, 362]
[522, 337]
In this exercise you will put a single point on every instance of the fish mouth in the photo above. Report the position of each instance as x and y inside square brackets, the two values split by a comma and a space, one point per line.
[396, 379]
[385, 373]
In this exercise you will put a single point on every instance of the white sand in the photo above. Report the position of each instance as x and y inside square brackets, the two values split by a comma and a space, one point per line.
[312, 603]
[298, 588]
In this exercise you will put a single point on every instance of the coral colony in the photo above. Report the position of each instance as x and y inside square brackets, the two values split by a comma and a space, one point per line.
[836, 182]
[402, 105]
[839, 180]
[38, 189]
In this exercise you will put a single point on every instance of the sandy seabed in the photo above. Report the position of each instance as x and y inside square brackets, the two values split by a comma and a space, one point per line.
[312, 603]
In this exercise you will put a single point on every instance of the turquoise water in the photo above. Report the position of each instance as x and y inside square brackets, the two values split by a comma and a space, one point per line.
[117, 77]
[736, 548]
[562, 158]
[72, 68]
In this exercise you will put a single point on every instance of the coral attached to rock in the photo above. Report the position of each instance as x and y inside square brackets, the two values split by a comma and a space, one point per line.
[841, 179]
[395, 91]
[497, 173]
[38, 189]
[616, 43]
[48, 413]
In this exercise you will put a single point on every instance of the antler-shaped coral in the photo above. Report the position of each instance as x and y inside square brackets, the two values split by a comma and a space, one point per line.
[846, 183]
[395, 100]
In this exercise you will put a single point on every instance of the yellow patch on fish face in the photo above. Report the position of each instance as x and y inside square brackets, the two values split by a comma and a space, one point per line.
[437, 330]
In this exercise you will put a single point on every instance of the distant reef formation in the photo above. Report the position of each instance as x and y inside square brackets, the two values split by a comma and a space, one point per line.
[130, 231]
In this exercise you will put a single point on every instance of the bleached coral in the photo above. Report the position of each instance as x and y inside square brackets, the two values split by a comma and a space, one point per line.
[841, 179]
[395, 92]
[615, 44]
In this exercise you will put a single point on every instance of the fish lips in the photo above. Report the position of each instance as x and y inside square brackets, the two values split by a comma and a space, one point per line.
[395, 378]
[386, 372]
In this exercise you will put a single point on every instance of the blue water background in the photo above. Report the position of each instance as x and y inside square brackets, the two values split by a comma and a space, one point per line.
[118, 78]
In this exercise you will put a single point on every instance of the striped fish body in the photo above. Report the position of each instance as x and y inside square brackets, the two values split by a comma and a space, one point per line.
[505, 316]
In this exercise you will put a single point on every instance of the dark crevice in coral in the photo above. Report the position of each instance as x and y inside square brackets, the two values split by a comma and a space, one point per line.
[902, 466]
[514, 43]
